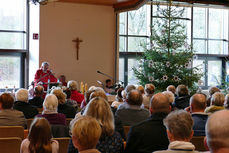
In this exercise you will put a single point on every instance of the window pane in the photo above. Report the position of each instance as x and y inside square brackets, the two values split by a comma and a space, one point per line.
[214, 73]
[217, 21]
[186, 14]
[199, 46]
[215, 47]
[226, 22]
[131, 77]
[135, 44]
[122, 44]
[199, 22]
[12, 15]
[225, 47]
[12, 40]
[227, 71]
[122, 23]
[10, 71]
[139, 21]
[121, 69]
[200, 65]
[227, 68]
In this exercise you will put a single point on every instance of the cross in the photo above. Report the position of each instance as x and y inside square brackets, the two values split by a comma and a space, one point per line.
[77, 41]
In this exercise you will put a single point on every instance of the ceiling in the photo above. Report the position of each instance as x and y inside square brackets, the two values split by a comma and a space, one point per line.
[117, 4]
[124, 4]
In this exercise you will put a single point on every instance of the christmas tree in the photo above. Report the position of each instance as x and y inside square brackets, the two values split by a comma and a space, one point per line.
[168, 58]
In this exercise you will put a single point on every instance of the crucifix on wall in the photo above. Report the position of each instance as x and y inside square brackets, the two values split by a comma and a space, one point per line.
[77, 41]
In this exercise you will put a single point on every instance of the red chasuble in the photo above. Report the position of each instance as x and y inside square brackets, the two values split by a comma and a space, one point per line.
[38, 78]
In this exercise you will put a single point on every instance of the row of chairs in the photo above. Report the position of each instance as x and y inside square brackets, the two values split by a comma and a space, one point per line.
[12, 136]
[12, 144]
[29, 122]
[198, 141]
[15, 134]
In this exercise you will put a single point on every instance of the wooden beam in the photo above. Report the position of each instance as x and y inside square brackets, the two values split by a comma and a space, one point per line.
[132, 4]
[214, 2]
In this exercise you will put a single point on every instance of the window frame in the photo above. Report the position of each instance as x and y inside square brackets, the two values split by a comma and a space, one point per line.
[223, 57]
[22, 53]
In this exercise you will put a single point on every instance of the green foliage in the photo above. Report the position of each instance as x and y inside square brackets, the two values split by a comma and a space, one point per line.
[169, 58]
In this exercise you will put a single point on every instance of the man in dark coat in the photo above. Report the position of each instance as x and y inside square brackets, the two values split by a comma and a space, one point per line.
[38, 97]
[150, 135]
[183, 97]
[198, 103]
[22, 104]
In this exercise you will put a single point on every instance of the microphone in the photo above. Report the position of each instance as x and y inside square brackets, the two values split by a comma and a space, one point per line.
[99, 82]
[51, 72]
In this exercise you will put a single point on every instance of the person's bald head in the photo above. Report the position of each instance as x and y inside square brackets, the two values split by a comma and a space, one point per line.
[160, 103]
[198, 103]
[134, 97]
[217, 131]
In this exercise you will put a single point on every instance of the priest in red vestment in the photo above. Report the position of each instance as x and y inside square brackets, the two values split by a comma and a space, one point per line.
[43, 74]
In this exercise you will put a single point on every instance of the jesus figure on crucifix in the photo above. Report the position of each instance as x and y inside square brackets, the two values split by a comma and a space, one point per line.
[77, 41]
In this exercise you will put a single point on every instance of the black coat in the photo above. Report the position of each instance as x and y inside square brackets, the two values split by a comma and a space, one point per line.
[67, 109]
[148, 136]
[37, 101]
[28, 110]
[181, 102]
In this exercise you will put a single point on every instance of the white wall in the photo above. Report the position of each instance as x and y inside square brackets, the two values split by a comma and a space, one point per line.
[33, 44]
[60, 23]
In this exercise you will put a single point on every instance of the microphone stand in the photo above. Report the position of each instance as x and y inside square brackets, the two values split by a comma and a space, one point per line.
[122, 83]
[50, 73]
[106, 75]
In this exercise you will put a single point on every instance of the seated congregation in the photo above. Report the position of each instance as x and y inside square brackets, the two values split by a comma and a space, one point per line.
[140, 120]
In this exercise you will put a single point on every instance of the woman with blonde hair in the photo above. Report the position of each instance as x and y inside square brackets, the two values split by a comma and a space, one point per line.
[86, 132]
[110, 140]
[39, 139]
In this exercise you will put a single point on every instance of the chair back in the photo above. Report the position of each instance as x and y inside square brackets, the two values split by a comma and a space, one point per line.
[10, 145]
[12, 131]
[26, 133]
[198, 142]
[40, 110]
[59, 131]
[126, 130]
[63, 144]
[29, 122]
[68, 120]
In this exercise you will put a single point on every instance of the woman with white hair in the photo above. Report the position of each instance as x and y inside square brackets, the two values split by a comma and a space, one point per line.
[21, 104]
[75, 95]
[179, 131]
[217, 103]
[50, 111]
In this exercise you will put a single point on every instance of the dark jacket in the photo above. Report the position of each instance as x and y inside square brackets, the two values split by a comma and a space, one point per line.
[131, 116]
[199, 120]
[181, 102]
[37, 101]
[148, 136]
[68, 110]
[28, 110]
[106, 144]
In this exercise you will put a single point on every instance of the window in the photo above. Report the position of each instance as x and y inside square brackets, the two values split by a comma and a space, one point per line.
[13, 44]
[209, 44]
